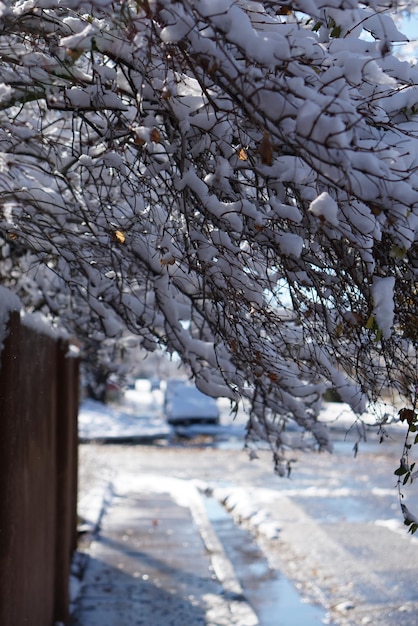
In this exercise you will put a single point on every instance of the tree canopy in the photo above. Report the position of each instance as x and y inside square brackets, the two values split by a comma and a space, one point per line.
[233, 180]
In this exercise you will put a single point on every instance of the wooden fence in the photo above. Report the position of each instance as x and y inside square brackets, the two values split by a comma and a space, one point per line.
[38, 476]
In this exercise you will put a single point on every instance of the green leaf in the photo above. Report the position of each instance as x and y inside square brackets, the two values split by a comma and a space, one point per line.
[407, 477]
[397, 252]
[370, 323]
[401, 470]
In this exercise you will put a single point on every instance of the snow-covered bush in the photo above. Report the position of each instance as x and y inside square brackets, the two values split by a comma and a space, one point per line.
[234, 180]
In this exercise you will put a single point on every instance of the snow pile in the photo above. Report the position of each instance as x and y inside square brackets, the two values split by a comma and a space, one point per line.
[326, 208]
[245, 510]
[111, 423]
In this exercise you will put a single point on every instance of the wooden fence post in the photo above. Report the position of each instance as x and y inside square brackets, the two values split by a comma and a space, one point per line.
[38, 476]
[66, 462]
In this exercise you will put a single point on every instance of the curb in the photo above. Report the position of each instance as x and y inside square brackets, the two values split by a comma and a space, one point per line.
[185, 493]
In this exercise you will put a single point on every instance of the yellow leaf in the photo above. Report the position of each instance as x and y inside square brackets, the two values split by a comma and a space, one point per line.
[242, 155]
[119, 236]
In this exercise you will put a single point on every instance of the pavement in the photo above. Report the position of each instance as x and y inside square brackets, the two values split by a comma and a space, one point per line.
[154, 559]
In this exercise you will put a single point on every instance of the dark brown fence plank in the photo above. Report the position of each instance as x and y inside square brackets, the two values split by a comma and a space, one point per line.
[38, 459]
[66, 462]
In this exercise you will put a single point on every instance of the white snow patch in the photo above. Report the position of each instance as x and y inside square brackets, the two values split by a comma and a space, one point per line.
[382, 292]
[104, 422]
[290, 244]
[326, 208]
[40, 324]
[5, 92]
[246, 509]
[396, 526]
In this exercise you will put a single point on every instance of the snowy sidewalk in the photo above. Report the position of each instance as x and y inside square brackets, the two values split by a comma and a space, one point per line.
[157, 561]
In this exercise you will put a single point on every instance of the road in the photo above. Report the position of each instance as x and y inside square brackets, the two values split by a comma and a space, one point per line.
[333, 528]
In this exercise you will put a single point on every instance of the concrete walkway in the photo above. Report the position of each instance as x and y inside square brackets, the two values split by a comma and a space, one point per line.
[157, 561]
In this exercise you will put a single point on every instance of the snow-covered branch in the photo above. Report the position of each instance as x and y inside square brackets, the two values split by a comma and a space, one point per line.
[236, 181]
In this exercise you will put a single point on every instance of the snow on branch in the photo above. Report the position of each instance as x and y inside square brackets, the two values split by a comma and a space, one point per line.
[235, 181]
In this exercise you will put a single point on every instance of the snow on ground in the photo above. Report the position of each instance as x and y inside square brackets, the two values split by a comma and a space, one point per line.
[139, 415]
[339, 415]
[109, 422]
[320, 497]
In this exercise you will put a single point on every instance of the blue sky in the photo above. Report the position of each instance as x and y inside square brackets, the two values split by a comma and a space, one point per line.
[409, 27]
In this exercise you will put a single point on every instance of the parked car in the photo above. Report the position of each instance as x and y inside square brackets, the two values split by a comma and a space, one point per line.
[154, 384]
[185, 404]
[171, 386]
